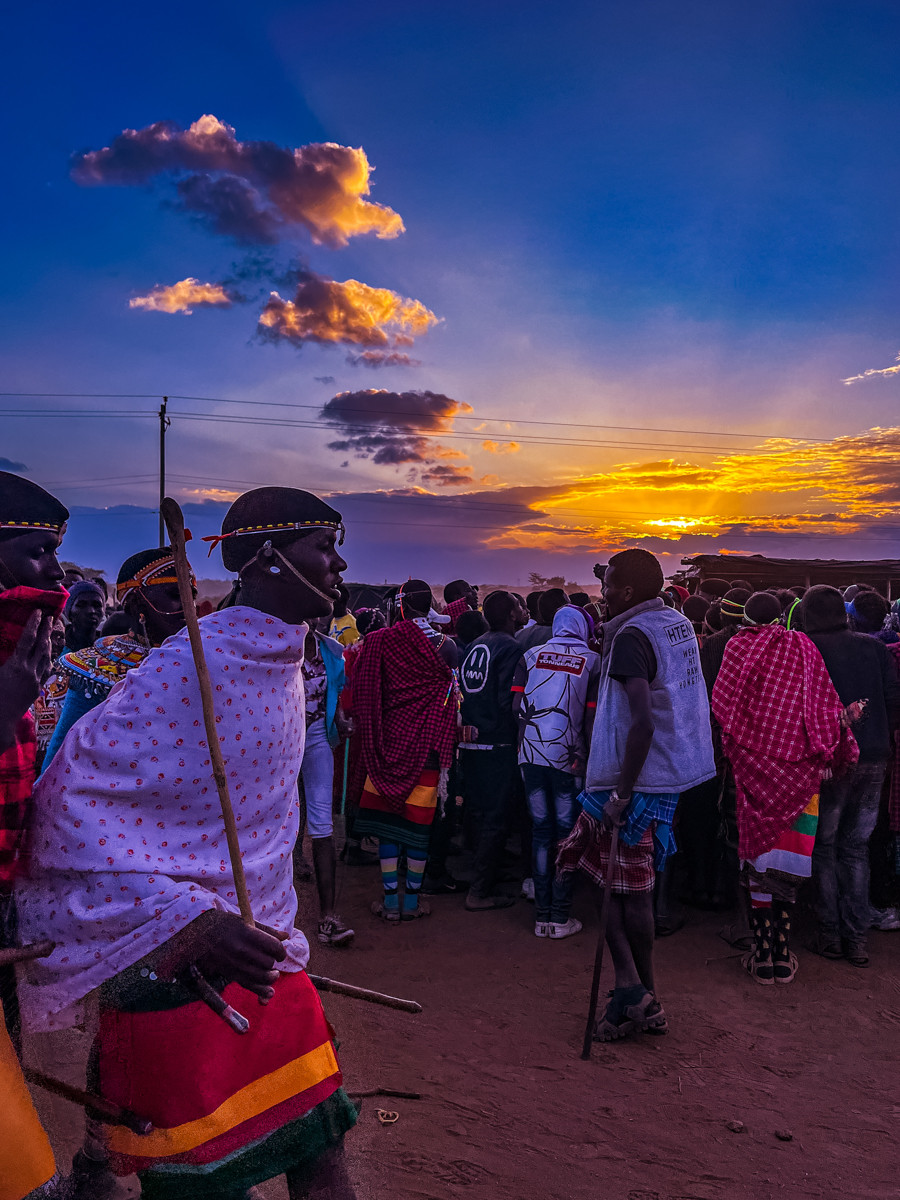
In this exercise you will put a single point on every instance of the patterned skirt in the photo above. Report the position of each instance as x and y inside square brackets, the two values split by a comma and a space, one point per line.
[780, 871]
[228, 1110]
[587, 849]
[411, 827]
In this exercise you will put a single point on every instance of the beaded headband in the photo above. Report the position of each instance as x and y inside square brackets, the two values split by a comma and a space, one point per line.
[249, 530]
[55, 526]
[153, 575]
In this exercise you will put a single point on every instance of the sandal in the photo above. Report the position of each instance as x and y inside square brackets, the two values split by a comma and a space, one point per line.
[647, 1016]
[828, 947]
[763, 972]
[391, 915]
[413, 914]
[857, 955]
[785, 970]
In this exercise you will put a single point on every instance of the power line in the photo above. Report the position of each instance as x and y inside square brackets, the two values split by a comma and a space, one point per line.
[410, 413]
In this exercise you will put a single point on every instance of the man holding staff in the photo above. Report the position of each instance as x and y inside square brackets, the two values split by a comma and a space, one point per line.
[132, 879]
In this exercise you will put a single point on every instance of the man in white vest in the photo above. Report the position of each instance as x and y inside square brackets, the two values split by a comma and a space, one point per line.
[651, 741]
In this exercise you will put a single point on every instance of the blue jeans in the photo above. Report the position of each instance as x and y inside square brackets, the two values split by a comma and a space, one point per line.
[552, 800]
[848, 810]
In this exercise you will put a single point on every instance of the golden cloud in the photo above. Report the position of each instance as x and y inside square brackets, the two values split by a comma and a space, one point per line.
[182, 297]
[837, 488]
[251, 191]
[501, 447]
[324, 310]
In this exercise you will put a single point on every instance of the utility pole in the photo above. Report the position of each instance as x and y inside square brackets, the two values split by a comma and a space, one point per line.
[164, 424]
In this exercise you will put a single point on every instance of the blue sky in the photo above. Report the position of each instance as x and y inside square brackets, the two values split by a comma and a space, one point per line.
[642, 214]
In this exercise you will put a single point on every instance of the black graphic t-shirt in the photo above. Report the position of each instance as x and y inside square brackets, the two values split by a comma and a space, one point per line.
[486, 679]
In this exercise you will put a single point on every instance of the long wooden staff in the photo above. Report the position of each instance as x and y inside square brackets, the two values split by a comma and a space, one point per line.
[174, 519]
[348, 989]
[105, 1110]
[601, 942]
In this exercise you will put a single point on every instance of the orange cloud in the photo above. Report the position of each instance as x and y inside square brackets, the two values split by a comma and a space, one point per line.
[181, 296]
[501, 447]
[324, 310]
[254, 192]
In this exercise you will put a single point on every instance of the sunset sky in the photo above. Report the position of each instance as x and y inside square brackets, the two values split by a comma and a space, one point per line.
[515, 284]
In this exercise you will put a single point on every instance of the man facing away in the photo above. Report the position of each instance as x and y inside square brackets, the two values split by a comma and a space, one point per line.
[131, 878]
[651, 741]
[861, 668]
[556, 687]
[489, 757]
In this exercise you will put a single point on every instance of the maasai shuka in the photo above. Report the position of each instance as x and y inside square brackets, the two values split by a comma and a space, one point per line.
[454, 610]
[781, 729]
[17, 762]
[404, 701]
[128, 842]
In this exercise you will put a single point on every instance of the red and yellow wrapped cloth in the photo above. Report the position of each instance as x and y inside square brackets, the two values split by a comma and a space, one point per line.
[228, 1108]
[410, 827]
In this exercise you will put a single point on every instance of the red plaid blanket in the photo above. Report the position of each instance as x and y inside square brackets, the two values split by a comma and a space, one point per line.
[454, 611]
[17, 763]
[405, 706]
[781, 729]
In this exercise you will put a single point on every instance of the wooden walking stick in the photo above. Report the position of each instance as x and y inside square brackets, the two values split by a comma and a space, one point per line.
[348, 989]
[601, 942]
[100, 1109]
[174, 519]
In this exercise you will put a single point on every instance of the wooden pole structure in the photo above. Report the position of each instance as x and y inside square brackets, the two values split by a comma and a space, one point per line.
[601, 942]
[163, 426]
[174, 519]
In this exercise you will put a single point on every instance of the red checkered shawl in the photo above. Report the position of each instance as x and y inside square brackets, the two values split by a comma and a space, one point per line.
[405, 706]
[17, 762]
[781, 729]
[454, 611]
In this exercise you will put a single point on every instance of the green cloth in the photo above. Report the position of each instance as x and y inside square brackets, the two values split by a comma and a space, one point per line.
[293, 1146]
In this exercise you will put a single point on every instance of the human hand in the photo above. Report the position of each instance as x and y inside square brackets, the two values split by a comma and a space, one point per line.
[22, 675]
[346, 725]
[469, 733]
[613, 812]
[853, 712]
[224, 947]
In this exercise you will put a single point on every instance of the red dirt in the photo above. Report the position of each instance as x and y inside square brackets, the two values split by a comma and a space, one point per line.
[509, 1110]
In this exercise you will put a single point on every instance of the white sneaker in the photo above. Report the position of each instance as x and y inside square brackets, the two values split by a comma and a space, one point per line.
[528, 889]
[556, 930]
[885, 919]
[542, 929]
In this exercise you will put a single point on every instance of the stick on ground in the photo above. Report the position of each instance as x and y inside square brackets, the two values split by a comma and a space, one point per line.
[601, 942]
[358, 993]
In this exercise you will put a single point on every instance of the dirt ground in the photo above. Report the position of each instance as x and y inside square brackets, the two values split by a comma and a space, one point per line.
[509, 1110]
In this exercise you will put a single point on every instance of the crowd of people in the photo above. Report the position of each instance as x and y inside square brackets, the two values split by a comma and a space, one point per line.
[717, 748]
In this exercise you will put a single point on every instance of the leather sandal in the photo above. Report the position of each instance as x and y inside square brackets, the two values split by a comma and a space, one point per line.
[391, 915]
[785, 969]
[857, 955]
[763, 972]
[413, 914]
